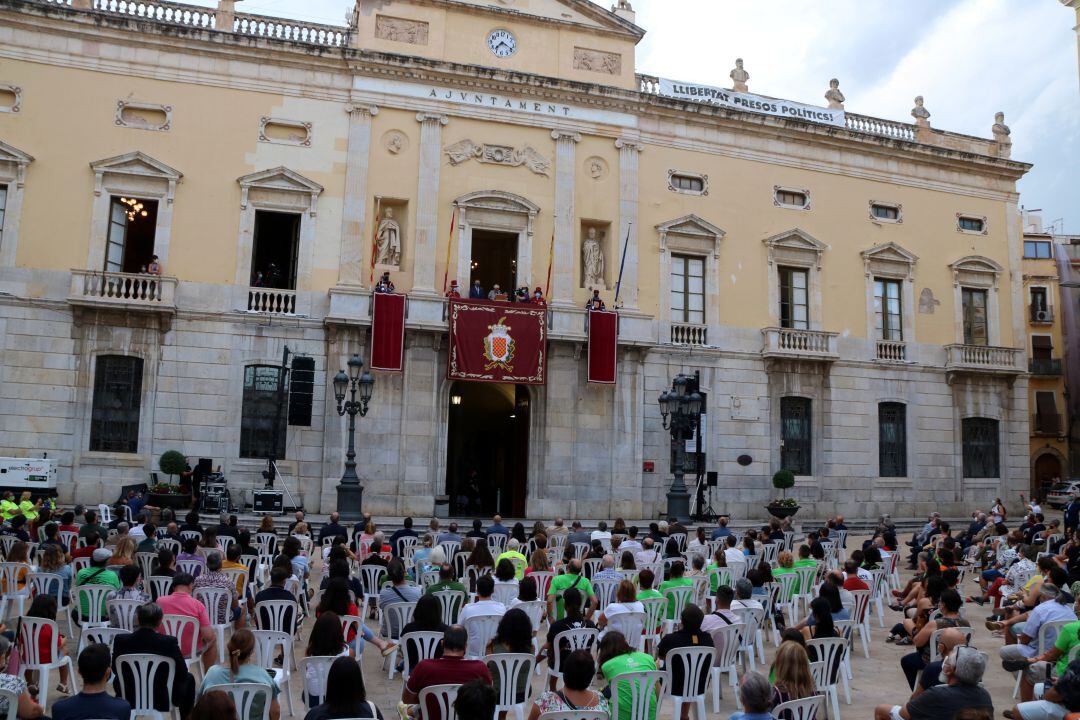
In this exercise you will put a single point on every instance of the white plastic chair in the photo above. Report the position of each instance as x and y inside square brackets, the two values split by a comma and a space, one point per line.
[655, 609]
[194, 568]
[122, 613]
[179, 626]
[804, 709]
[807, 575]
[879, 586]
[140, 692]
[40, 583]
[277, 615]
[861, 615]
[481, 629]
[542, 578]
[159, 585]
[451, 601]
[696, 664]
[95, 615]
[497, 543]
[752, 619]
[320, 668]
[146, 563]
[509, 667]
[632, 627]
[369, 581]
[450, 547]
[727, 659]
[646, 691]
[12, 574]
[244, 696]
[186, 535]
[218, 603]
[789, 583]
[103, 635]
[505, 593]
[398, 615]
[830, 653]
[678, 598]
[576, 639]
[30, 630]
[427, 578]
[441, 697]
[104, 514]
[424, 644]
[605, 592]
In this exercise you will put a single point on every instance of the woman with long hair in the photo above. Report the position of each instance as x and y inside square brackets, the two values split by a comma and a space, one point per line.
[242, 667]
[480, 557]
[538, 562]
[671, 548]
[526, 592]
[513, 635]
[124, 554]
[822, 625]
[619, 527]
[616, 657]
[427, 617]
[54, 562]
[627, 562]
[505, 574]
[539, 529]
[346, 696]
[266, 525]
[791, 673]
[44, 606]
[518, 533]
[325, 640]
[625, 601]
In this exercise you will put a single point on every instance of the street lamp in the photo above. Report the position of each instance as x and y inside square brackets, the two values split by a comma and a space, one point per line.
[680, 413]
[350, 493]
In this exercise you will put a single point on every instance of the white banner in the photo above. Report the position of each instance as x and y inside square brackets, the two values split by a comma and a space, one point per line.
[709, 95]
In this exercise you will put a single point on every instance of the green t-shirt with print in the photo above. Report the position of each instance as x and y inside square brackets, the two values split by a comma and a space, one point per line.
[1068, 638]
[628, 663]
[673, 583]
[561, 583]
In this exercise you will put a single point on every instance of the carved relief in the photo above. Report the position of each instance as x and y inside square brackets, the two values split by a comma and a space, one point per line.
[927, 301]
[592, 259]
[597, 61]
[388, 240]
[465, 150]
[395, 142]
[143, 116]
[284, 132]
[10, 98]
[596, 167]
[394, 29]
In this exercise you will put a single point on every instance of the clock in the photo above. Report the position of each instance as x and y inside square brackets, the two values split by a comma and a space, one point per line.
[502, 43]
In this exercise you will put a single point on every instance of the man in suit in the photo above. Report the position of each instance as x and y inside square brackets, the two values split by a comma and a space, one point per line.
[147, 640]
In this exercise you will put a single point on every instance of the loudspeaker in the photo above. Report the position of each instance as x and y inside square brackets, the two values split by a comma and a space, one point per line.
[266, 500]
[711, 478]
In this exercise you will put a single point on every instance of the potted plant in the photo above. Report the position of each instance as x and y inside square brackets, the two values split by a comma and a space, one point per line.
[171, 462]
[783, 506]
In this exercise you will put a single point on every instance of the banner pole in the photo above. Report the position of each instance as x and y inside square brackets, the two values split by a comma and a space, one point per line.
[449, 246]
[375, 239]
[622, 263]
[551, 260]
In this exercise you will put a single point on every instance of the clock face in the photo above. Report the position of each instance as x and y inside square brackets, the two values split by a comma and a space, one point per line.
[502, 43]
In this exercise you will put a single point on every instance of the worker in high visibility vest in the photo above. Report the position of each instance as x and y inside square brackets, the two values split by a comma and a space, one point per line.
[29, 508]
[8, 507]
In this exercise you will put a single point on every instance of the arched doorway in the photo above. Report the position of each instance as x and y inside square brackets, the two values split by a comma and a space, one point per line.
[487, 449]
[1046, 470]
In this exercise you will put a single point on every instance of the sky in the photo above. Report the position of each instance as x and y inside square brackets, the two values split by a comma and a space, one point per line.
[968, 58]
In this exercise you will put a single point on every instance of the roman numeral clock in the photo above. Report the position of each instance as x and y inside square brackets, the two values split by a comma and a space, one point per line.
[502, 43]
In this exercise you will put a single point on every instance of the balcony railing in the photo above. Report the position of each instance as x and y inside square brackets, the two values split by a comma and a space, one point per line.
[800, 344]
[273, 301]
[1040, 315]
[982, 359]
[1046, 424]
[891, 351]
[689, 334]
[123, 290]
[1044, 366]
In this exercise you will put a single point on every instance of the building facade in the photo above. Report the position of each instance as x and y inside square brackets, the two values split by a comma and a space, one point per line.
[850, 290]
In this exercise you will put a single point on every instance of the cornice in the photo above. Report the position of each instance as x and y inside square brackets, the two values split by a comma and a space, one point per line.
[622, 28]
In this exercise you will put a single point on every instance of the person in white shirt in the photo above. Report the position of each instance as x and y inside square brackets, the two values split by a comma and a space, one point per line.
[699, 543]
[625, 602]
[484, 605]
[137, 533]
[721, 617]
[602, 534]
[631, 544]
[744, 589]
[733, 554]
[647, 554]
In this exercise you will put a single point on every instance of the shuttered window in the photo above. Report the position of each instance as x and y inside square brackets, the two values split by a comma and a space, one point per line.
[892, 440]
[980, 447]
[795, 416]
[114, 419]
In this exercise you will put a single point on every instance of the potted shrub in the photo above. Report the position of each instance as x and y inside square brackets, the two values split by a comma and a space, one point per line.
[162, 495]
[783, 506]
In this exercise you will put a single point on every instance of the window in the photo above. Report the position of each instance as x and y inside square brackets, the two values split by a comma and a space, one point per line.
[1042, 347]
[892, 439]
[114, 418]
[1047, 420]
[1038, 298]
[688, 289]
[968, 223]
[688, 183]
[795, 435]
[980, 447]
[262, 414]
[1037, 250]
[974, 313]
[274, 252]
[129, 246]
[790, 198]
[887, 310]
[882, 211]
[794, 303]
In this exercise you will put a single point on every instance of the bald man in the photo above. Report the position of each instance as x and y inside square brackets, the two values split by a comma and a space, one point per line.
[931, 674]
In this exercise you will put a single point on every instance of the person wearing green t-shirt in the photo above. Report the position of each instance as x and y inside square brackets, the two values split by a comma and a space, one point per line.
[8, 507]
[616, 657]
[97, 574]
[804, 561]
[28, 507]
[513, 552]
[1068, 638]
[572, 578]
[677, 580]
[446, 581]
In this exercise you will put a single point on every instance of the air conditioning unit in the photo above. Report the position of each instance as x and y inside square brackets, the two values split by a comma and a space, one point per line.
[1042, 316]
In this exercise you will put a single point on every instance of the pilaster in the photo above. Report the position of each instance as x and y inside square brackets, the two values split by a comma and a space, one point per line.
[565, 252]
[427, 202]
[354, 212]
[628, 202]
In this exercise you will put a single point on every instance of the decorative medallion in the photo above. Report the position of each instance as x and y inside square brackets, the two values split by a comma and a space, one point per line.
[395, 142]
[499, 347]
[597, 167]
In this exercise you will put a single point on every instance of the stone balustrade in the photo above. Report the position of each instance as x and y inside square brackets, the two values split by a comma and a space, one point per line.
[290, 30]
[982, 359]
[160, 11]
[272, 301]
[800, 344]
[689, 334]
[891, 351]
[878, 126]
[125, 290]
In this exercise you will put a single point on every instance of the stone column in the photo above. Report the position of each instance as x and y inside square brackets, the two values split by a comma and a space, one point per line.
[354, 211]
[628, 200]
[565, 247]
[225, 15]
[427, 202]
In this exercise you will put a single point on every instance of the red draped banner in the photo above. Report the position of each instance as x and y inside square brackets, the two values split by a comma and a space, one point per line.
[603, 340]
[387, 332]
[497, 342]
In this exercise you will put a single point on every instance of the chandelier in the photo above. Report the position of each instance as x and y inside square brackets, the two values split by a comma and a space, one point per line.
[134, 208]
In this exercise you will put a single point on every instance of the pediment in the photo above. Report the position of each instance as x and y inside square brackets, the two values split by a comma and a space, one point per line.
[10, 153]
[976, 264]
[890, 252]
[136, 163]
[796, 239]
[282, 179]
[691, 225]
[577, 12]
[499, 201]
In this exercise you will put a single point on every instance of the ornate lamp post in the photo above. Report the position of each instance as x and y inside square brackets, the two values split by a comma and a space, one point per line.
[680, 409]
[350, 493]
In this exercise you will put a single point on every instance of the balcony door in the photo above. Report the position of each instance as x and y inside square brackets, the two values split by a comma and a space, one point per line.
[129, 246]
[974, 307]
[275, 250]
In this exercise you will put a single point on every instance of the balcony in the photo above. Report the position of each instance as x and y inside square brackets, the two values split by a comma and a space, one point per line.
[1045, 424]
[1050, 367]
[1041, 315]
[689, 334]
[123, 291]
[981, 360]
[795, 344]
[891, 351]
[271, 301]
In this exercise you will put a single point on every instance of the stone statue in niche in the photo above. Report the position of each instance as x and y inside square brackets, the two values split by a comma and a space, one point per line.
[388, 237]
[739, 76]
[920, 113]
[834, 96]
[927, 301]
[1001, 135]
[592, 260]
